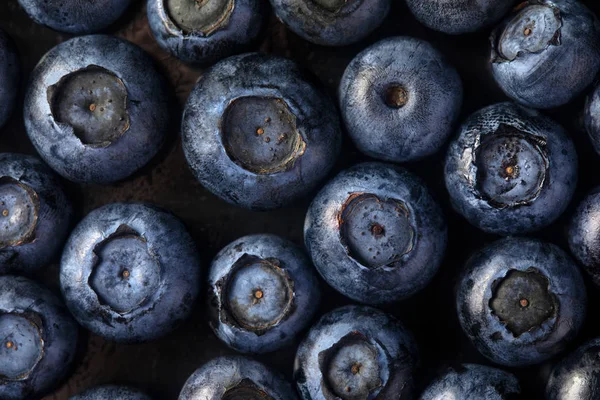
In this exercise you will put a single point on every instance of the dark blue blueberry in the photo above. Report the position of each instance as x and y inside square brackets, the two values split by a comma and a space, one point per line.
[547, 52]
[202, 32]
[510, 170]
[353, 353]
[38, 339]
[75, 16]
[257, 134]
[521, 301]
[459, 16]
[262, 292]
[96, 109]
[236, 378]
[400, 99]
[130, 272]
[34, 214]
[591, 117]
[332, 22]
[9, 76]
[577, 376]
[473, 382]
[584, 234]
[111, 392]
[375, 233]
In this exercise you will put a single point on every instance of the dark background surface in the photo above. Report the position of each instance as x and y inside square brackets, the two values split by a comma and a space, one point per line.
[161, 367]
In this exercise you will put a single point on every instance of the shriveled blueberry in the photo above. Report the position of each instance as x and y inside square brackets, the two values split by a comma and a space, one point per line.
[34, 214]
[262, 292]
[75, 16]
[473, 382]
[96, 109]
[236, 378]
[332, 22]
[38, 339]
[257, 133]
[577, 376]
[130, 272]
[375, 233]
[400, 99]
[584, 234]
[355, 353]
[202, 31]
[510, 170]
[547, 52]
[111, 392]
[459, 16]
[10, 75]
[521, 301]
[591, 117]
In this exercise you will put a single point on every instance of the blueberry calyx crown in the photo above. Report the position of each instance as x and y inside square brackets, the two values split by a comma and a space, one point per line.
[396, 96]
[246, 390]
[203, 17]
[19, 213]
[22, 344]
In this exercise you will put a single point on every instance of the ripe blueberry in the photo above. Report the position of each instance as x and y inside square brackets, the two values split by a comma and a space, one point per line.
[111, 392]
[584, 235]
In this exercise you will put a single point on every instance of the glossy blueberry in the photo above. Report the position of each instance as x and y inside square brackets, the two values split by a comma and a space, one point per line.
[262, 292]
[202, 32]
[34, 214]
[96, 109]
[547, 52]
[75, 16]
[257, 134]
[236, 378]
[400, 99]
[459, 16]
[577, 376]
[353, 353]
[584, 234]
[591, 117]
[521, 301]
[130, 272]
[38, 339]
[332, 22]
[375, 233]
[9, 76]
[473, 382]
[510, 170]
[111, 392]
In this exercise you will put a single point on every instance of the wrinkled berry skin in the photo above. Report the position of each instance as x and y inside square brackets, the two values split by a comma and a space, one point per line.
[584, 235]
[130, 272]
[241, 27]
[229, 140]
[10, 75]
[146, 110]
[358, 348]
[577, 375]
[52, 213]
[105, 392]
[521, 301]
[546, 53]
[77, 17]
[510, 170]
[332, 22]
[472, 381]
[591, 117]
[400, 99]
[50, 322]
[273, 318]
[386, 254]
[226, 377]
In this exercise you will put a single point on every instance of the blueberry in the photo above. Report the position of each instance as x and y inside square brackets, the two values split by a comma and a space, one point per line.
[459, 16]
[96, 109]
[262, 293]
[400, 99]
[9, 76]
[236, 378]
[521, 301]
[473, 382]
[584, 234]
[353, 353]
[202, 32]
[510, 170]
[332, 22]
[591, 117]
[547, 52]
[111, 392]
[375, 234]
[34, 214]
[75, 16]
[258, 134]
[130, 272]
[38, 339]
[577, 376]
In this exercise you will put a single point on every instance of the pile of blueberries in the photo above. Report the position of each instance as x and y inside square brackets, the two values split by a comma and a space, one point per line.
[260, 132]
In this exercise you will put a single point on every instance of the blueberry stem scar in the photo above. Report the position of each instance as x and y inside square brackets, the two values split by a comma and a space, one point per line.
[396, 96]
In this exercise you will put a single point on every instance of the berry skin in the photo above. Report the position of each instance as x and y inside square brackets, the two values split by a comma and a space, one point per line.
[584, 235]
[113, 392]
